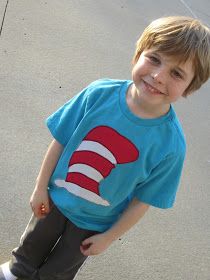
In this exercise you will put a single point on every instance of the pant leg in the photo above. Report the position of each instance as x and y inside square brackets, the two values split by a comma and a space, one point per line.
[66, 258]
[36, 243]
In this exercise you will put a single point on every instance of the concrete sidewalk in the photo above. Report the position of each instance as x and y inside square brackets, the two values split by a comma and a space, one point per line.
[49, 50]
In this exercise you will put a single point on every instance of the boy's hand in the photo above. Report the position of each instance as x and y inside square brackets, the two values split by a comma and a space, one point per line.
[95, 244]
[39, 202]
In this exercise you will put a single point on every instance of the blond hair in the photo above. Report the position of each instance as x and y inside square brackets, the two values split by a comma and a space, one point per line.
[182, 37]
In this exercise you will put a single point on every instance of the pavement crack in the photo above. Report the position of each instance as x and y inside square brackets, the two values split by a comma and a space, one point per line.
[2, 23]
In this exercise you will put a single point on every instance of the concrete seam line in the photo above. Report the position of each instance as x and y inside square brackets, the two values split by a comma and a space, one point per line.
[5, 10]
[188, 7]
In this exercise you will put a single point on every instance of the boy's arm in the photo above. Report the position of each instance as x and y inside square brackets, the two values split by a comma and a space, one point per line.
[100, 242]
[129, 218]
[39, 200]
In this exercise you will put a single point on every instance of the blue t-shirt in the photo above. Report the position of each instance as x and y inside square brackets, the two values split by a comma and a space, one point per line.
[111, 155]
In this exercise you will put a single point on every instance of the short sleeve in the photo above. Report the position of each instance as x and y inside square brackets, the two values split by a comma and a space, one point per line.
[160, 188]
[64, 121]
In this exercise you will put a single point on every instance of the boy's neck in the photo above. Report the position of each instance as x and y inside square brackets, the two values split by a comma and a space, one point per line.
[142, 109]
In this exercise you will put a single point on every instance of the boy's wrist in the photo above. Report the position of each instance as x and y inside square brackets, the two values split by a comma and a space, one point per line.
[40, 187]
[111, 236]
[41, 183]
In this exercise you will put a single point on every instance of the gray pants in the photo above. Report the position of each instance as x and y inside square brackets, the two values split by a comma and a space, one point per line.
[49, 249]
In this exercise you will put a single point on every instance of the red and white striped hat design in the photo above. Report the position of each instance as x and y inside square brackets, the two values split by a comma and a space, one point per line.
[100, 151]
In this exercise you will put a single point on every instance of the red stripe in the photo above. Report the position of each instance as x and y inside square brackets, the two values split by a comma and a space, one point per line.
[122, 148]
[94, 160]
[83, 181]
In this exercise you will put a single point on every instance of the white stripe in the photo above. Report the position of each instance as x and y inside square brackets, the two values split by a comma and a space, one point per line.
[7, 273]
[97, 148]
[86, 170]
[26, 230]
[81, 192]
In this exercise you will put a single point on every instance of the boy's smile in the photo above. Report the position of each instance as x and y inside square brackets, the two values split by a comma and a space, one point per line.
[158, 81]
[151, 90]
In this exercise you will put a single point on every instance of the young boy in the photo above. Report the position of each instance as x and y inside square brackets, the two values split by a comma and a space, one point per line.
[118, 148]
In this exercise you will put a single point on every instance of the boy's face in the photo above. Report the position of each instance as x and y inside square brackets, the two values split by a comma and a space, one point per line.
[159, 79]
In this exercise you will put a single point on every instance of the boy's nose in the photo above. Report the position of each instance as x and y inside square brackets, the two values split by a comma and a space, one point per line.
[159, 75]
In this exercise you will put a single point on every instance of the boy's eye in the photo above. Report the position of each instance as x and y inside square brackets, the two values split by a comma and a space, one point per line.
[177, 74]
[154, 59]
